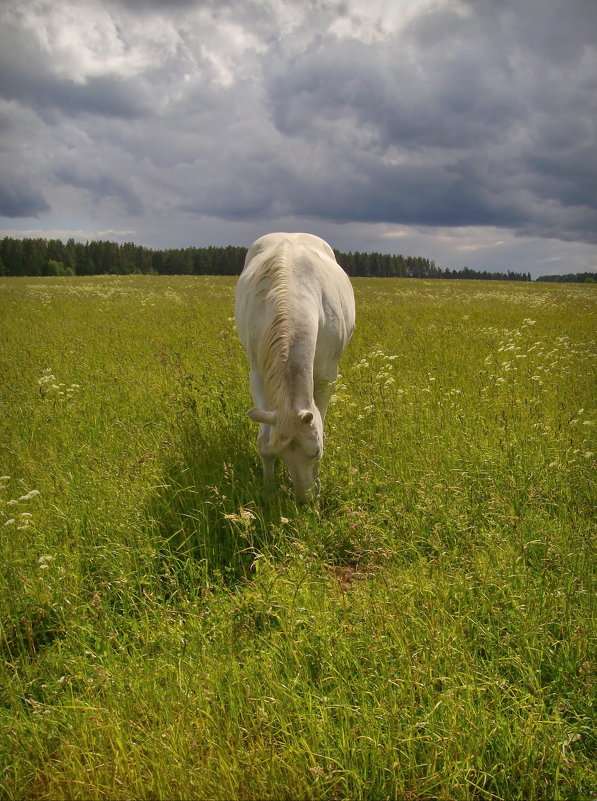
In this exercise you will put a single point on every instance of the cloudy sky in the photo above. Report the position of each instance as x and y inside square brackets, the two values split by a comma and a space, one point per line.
[460, 130]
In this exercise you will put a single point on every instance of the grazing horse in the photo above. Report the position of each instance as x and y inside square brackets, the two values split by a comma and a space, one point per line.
[294, 315]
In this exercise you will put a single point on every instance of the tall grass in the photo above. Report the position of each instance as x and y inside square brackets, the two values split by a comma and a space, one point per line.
[170, 630]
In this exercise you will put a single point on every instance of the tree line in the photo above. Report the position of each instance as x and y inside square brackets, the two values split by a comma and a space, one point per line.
[570, 278]
[52, 257]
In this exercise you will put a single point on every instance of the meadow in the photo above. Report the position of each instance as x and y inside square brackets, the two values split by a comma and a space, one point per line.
[169, 630]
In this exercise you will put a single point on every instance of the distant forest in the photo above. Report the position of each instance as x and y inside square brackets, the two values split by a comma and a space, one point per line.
[52, 257]
[570, 278]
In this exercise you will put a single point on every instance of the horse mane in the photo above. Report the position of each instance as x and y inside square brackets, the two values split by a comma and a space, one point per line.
[275, 279]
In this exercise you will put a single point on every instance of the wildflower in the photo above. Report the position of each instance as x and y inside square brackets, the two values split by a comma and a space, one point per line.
[244, 516]
[29, 495]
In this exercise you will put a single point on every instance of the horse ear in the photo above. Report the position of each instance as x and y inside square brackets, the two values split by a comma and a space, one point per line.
[306, 417]
[261, 416]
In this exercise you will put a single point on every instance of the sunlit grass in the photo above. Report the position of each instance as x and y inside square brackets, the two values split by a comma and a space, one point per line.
[168, 629]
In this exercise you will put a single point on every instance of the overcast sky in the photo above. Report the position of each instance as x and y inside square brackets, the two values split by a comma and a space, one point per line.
[460, 130]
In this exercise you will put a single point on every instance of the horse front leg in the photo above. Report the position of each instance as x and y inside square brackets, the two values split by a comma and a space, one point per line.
[268, 460]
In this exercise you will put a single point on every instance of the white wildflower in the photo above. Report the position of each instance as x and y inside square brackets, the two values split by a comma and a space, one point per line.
[29, 495]
[244, 516]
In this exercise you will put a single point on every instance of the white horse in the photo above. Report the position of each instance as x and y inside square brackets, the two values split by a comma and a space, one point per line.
[294, 315]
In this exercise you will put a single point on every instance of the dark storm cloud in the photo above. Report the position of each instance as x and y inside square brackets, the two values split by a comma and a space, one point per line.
[436, 196]
[18, 198]
[26, 76]
[442, 114]
[102, 186]
[478, 119]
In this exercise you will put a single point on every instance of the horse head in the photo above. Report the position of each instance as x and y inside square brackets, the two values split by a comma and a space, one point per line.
[298, 441]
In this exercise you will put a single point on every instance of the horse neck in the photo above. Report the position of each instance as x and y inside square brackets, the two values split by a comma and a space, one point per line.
[288, 343]
[299, 370]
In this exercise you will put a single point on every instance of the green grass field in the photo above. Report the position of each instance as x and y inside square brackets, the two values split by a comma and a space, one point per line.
[170, 631]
